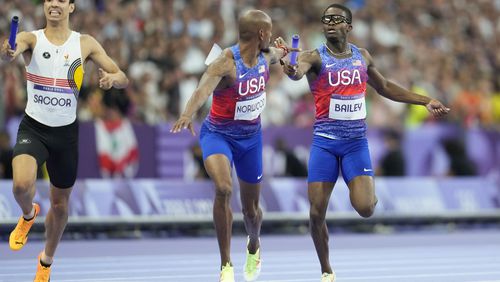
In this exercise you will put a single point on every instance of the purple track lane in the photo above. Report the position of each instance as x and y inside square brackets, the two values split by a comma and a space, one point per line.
[400, 257]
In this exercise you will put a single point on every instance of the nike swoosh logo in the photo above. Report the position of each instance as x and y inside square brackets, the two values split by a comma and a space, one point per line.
[366, 169]
[259, 177]
[243, 75]
[329, 65]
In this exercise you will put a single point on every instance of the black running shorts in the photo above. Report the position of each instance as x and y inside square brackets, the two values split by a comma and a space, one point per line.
[57, 146]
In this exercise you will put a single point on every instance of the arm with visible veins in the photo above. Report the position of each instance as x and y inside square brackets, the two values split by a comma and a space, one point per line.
[397, 93]
[305, 62]
[110, 74]
[220, 68]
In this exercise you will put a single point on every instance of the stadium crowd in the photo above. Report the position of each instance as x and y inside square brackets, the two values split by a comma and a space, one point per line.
[444, 49]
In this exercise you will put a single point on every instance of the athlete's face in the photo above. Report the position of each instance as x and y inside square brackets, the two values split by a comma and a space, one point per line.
[335, 24]
[57, 10]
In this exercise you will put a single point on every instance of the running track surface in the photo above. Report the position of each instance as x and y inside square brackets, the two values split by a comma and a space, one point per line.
[403, 257]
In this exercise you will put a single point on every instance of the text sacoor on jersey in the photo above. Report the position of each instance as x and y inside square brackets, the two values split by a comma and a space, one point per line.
[54, 79]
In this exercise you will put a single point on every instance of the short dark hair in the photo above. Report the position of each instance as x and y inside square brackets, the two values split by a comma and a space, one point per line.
[343, 8]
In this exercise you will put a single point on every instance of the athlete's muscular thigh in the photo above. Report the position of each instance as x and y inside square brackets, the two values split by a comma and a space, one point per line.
[24, 170]
[362, 195]
[62, 164]
[219, 169]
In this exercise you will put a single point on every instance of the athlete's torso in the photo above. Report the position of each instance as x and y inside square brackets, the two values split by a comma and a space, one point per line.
[236, 109]
[54, 77]
[339, 93]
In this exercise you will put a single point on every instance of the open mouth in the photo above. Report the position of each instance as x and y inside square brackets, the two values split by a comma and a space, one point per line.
[54, 13]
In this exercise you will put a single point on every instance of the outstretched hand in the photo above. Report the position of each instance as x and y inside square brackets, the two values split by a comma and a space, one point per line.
[288, 69]
[280, 42]
[105, 80]
[184, 122]
[437, 108]
[7, 53]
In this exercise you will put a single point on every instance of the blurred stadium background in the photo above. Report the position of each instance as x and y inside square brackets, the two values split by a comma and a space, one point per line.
[135, 175]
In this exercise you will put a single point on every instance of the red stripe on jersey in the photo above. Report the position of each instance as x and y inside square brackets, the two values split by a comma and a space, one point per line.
[40, 82]
[62, 82]
[42, 78]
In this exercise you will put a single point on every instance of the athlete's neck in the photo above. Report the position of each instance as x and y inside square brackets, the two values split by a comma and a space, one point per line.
[338, 48]
[57, 32]
[249, 53]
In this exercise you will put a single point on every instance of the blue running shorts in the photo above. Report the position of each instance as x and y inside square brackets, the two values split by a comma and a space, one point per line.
[245, 153]
[327, 155]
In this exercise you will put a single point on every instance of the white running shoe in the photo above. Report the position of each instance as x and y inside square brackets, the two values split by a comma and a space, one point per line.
[328, 277]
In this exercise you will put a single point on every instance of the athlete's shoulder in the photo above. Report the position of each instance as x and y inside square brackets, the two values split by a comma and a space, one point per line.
[366, 55]
[90, 45]
[87, 40]
[223, 65]
[361, 50]
[27, 36]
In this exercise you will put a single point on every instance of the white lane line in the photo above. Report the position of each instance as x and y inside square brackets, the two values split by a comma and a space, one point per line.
[346, 254]
[340, 272]
[119, 260]
[189, 264]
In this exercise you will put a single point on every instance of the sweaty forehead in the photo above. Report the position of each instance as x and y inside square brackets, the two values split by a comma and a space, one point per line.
[335, 11]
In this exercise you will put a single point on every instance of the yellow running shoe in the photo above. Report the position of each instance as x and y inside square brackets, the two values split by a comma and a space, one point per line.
[227, 273]
[251, 270]
[328, 277]
[42, 272]
[19, 235]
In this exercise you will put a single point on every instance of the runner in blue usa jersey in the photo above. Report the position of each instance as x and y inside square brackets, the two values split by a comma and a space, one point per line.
[338, 73]
[231, 133]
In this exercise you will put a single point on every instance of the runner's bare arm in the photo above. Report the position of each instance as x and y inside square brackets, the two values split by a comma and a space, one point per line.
[24, 41]
[275, 54]
[280, 51]
[305, 61]
[220, 68]
[397, 93]
[110, 74]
